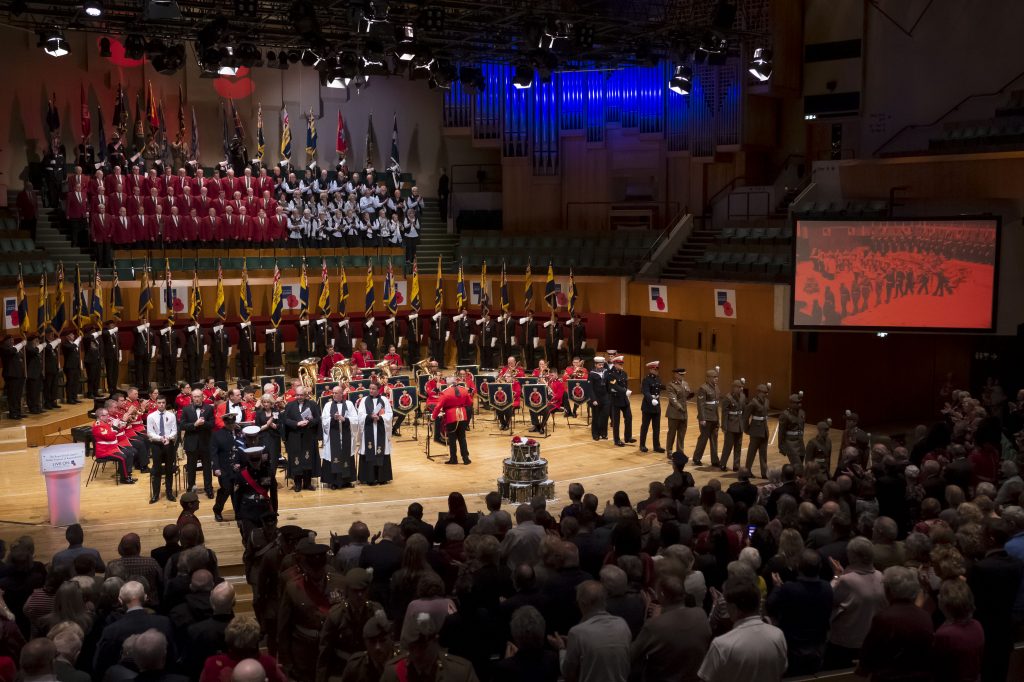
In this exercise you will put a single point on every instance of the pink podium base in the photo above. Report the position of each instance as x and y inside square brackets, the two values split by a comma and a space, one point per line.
[63, 488]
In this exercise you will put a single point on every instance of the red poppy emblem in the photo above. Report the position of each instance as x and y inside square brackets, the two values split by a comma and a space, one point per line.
[399, 297]
[178, 305]
[485, 389]
[536, 398]
[578, 394]
[293, 301]
[405, 401]
[500, 396]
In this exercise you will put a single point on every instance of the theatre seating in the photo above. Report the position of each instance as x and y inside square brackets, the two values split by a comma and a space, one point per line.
[603, 253]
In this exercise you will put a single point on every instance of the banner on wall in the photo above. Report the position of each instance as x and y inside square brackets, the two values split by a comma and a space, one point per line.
[290, 297]
[178, 297]
[657, 298]
[11, 319]
[725, 303]
[402, 293]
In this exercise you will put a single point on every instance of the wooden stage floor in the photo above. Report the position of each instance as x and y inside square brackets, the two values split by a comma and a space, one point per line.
[109, 511]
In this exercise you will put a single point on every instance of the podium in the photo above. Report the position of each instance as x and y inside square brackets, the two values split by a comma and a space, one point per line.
[61, 466]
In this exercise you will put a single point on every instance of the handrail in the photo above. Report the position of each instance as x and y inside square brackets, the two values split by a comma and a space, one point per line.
[663, 235]
[730, 186]
[965, 100]
[666, 205]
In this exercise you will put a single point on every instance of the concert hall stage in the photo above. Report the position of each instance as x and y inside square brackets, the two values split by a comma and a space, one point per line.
[108, 511]
[48, 428]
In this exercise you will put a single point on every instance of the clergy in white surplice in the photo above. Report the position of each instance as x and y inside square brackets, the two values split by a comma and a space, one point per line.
[339, 422]
[375, 442]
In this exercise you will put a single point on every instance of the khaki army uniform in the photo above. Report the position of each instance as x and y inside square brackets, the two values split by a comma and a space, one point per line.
[360, 668]
[447, 669]
[820, 450]
[678, 393]
[755, 420]
[791, 434]
[342, 636]
[732, 424]
[302, 612]
[707, 412]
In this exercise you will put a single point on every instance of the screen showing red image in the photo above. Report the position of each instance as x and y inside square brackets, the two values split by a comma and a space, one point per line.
[898, 274]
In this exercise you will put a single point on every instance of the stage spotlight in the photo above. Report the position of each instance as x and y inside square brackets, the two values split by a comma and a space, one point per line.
[472, 79]
[584, 35]
[523, 77]
[246, 8]
[227, 64]
[134, 46]
[310, 58]
[105, 47]
[713, 47]
[681, 79]
[761, 64]
[432, 19]
[406, 48]
[93, 8]
[54, 44]
[249, 56]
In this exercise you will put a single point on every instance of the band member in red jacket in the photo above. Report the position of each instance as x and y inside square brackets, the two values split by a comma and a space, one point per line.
[105, 444]
[454, 406]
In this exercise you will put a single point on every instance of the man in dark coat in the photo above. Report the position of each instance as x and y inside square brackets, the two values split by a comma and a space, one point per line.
[246, 352]
[302, 431]
[142, 353]
[93, 361]
[51, 372]
[13, 374]
[34, 375]
[111, 355]
[219, 351]
[167, 344]
[439, 334]
[223, 448]
[598, 400]
[197, 427]
[195, 348]
[70, 348]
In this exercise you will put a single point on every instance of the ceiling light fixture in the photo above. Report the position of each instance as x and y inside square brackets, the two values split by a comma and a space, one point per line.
[93, 8]
[682, 78]
[761, 64]
[55, 44]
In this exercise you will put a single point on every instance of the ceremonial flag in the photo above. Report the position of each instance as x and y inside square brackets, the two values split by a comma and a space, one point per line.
[340, 144]
[394, 165]
[550, 292]
[181, 114]
[369, 291]
[237, 120]
[195, 137]
[122, 116]
[195, 307]
[275, 298]
[222, 304]
[43, 314]
[76, 303]
[343, 290]
[371, 144]
[414, 294]
[139, 132]
[152, 115]
[163, 122]
[59, 314]
[225, 144]
[168, 292]
[325, 290]
[244, 296]
[460, 289]
[438, 289]
[96, 307]
[504, 290]
[286, 136]
[310, 138]
[86, 116]
[528, 288]
[261, 142]
[485, 296]
[145, 295]
[101, 152]
[391, 290]
[303, 292]
[22, 303]
[116, 302]
[573, 293]
[52, 115]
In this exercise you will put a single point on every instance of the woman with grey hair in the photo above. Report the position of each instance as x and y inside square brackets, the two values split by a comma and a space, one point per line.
[898, 644]
[858, 595]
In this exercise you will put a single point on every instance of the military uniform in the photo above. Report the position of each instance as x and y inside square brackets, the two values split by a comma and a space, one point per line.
[650, 408]
[678, 393]
[343, 337]
[111, 358]
[791, 431]
[71, 352]
[342, 634]
[246, 353]
[371, 337]
[618, 391]
[167, 350]
[856, 437]
[598, 379]
[466, 354]
[13, 375]
[266, 593]
[707, 418]
[360, 668]
[412, 340]
[195, 348]
[447, 669]
[273, 353]
[304, 607]
[819, 448]
[529, 335]
[34, 377]
[755, 420]
[141, 355]
[322, 337]
[488, 342]
[219, 353]
[552, 340]
[733, 405]
[305, 345]
[93, 361]
[438, 337]
[51, 375]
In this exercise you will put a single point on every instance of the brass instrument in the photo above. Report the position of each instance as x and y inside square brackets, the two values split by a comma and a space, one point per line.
[384, 367]
[308, 370]
[421, 367]
[342, 371]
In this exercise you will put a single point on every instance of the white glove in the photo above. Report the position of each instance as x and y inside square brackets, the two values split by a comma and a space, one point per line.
[447, 335]
[561, 342]
[494, 342]
[153, 353]
[119, 356]
[536, 341]
[583, 344]
[515, 341]
[343, 323]
[303, 323]
[548, 323]
[435, 316]
[179, 353]
[472, 339]
[369, 323]
[628, 392]
[654, 401]
[522, 320]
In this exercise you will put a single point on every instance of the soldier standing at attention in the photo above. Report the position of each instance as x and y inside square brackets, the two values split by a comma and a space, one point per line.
[755, 421]
[368, 665]
[856, 437]
[819, 448]
[70, 348]
[618, 390]
[707, 417]
[51, 372]
[34, 375]
[650, 408]
[678, 393]
[342, 634]
[92, 355]
[111, 356]
[425, 660]
[306, 601]
[733, 405]
[791, 428]
[598, 399]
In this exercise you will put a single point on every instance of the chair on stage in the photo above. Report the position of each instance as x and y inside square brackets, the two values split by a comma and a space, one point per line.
[83, 434]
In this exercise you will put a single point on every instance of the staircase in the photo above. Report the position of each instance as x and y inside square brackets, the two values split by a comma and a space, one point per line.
[59, 247]
[435, 241]
[691, 251]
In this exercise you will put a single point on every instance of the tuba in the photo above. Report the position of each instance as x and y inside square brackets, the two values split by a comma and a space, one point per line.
[341, 371]
[384, 367]
[421, 366]
[308, 370]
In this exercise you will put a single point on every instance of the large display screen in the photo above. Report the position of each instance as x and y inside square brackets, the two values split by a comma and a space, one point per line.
[896, 274]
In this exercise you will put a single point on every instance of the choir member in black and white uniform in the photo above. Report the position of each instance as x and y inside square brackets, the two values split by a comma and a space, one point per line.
[411, 234]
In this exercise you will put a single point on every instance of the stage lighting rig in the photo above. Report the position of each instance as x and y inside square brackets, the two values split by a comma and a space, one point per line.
[54, 43]
[93, 8]
[761, 64]
[523, 77]
[406, 47]
[134, 46]
[682, 77]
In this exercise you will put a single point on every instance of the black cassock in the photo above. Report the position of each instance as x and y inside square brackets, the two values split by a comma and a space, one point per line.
[339, 465]
[375, 448]
[300, 443]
